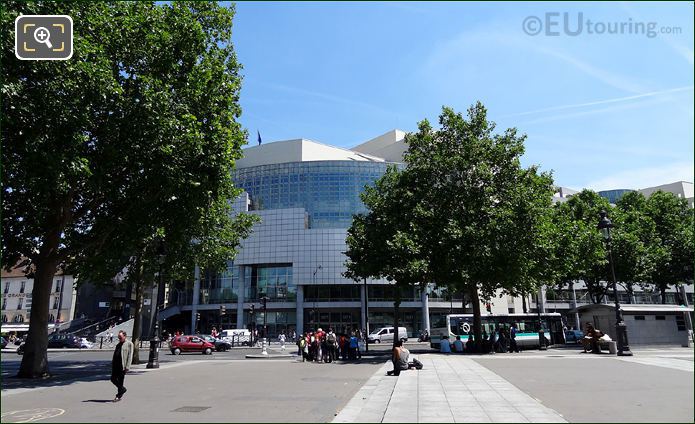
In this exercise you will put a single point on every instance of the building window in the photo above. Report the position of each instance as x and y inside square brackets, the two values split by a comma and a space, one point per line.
[4, 303]
[21, 289]
[639, 317]
[19, 304]
[51, 318]
[660, 318]
[4, 318]
[55, 302]
[57, 285]
[7, 287]
[18, 318]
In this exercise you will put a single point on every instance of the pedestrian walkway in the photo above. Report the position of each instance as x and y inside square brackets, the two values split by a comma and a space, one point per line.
[448, 389]
[677, 363]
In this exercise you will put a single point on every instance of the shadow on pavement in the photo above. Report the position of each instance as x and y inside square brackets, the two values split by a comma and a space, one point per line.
[99, 400]
[62, 373]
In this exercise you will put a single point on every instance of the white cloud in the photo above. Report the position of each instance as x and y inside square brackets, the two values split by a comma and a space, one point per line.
[605, 101]
[644, 177]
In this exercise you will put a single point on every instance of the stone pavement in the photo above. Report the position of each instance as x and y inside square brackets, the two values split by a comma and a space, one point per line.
[448, 389]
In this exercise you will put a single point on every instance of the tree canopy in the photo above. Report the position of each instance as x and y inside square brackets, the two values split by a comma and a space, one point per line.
[463, 213]
[129, 142]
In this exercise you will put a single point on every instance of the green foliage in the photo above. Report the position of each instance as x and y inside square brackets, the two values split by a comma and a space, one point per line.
[673, 224]
[462, 214]
[130, 142]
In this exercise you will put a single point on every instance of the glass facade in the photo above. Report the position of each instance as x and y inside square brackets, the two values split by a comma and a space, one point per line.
[613, 195]
[328, 190]
[332, 293]
[220, 287]
[273, 281]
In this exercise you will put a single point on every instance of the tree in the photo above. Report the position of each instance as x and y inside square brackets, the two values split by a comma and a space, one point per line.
[673, 221]
[131, 140]
[381, 243]
[581, 253]
[463, 213]
[490, 216]
[636, 246]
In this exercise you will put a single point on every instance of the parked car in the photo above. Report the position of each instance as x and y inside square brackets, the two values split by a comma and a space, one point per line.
[182, 344]
[220, 344]
[64, 341]
[385, 334]
[3, 342]
[573, 336]
[85, 344]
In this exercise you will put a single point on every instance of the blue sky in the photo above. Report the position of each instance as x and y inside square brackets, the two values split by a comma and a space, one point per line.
[600, 110]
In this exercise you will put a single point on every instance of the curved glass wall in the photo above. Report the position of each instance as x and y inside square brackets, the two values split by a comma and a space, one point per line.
[328, 190]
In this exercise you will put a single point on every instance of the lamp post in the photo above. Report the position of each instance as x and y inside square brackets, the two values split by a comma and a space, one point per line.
[317, 312]
[153, 360]
[366, 316]
[264, 304]
[605, 225]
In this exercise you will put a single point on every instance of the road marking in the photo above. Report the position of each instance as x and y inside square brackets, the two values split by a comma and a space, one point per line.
[31, 415]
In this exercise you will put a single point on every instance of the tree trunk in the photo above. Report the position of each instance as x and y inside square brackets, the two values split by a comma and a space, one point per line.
[477, 322]
[523, 303]
[35, 359]
[396, 313]
[137, 319]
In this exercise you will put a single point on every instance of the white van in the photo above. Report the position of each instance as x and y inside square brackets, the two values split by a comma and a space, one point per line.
[239, 335]
[385, 334]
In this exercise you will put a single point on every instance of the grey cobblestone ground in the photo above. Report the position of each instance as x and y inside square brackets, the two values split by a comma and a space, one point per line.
[448, 389]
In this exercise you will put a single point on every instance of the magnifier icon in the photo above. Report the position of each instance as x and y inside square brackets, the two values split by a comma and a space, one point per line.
[43, 36]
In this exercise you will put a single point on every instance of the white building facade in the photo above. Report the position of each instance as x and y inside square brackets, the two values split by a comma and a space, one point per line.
[17, 301]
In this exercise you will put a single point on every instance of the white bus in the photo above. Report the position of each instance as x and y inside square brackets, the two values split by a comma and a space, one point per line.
[527, 328]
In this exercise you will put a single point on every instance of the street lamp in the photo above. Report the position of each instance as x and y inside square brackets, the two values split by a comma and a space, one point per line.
[264, 304]
[318, 311]
[605, 225]
[153, 360]
[366, 316]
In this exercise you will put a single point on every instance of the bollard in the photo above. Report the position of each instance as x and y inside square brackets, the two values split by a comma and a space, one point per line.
[101, 342]
[264, 346]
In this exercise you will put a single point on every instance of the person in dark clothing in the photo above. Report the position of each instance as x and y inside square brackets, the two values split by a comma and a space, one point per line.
[513, 347]
[122, 359]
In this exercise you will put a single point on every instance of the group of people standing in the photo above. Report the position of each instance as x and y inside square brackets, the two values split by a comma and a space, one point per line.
[321, 346]
[500, 340]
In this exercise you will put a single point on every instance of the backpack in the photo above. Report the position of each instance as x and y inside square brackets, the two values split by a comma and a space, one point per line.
[330, 338]
[302, 343]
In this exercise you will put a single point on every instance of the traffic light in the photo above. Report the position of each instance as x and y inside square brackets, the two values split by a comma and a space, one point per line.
[253, 309]
[265, 303]
[488, 306]
[197, 316]
[223, 310]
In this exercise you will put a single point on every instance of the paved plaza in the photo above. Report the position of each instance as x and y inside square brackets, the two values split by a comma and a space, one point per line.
[560, 385]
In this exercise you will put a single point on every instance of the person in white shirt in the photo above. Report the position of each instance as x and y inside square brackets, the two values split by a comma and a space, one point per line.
[281, 337]
[444, 345]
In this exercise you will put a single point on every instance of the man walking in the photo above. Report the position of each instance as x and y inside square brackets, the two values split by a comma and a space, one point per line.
[122, 358]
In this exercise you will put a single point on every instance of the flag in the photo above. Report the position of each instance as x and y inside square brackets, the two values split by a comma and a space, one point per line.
[259, 137]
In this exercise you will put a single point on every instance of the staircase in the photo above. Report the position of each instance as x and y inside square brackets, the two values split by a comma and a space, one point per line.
[126, 326]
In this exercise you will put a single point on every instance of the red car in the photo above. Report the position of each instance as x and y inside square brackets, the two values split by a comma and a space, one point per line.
[191, 344]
